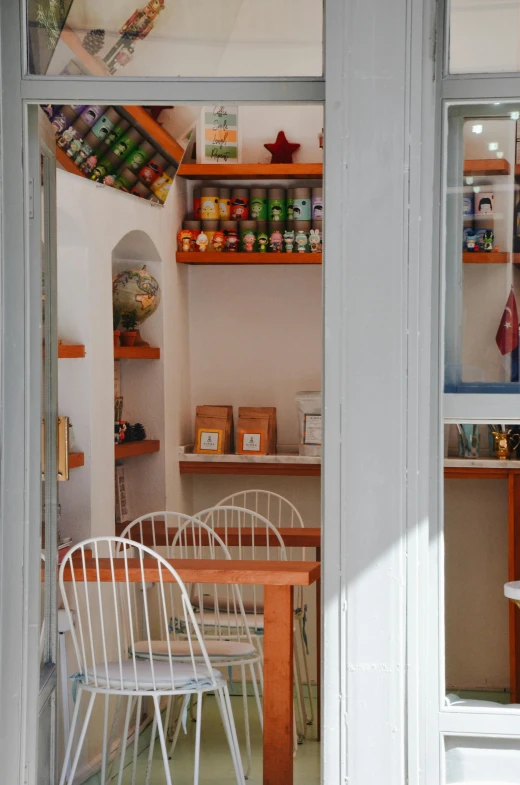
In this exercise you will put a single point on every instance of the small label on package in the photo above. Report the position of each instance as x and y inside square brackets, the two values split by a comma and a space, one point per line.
[209, 441]
[252, 442]
[312, 429]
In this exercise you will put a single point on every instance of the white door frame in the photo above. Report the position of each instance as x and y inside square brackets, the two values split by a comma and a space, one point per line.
[380, 121]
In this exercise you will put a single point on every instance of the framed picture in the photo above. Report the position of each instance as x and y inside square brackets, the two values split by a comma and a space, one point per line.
[218, 136]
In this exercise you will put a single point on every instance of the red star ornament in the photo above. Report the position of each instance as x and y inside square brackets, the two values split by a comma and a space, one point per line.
[282, 151]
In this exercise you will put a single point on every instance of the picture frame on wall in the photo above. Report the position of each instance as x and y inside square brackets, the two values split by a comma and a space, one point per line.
[218, 135]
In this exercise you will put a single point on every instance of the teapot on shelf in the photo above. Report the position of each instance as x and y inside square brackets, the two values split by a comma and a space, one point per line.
[505, 442]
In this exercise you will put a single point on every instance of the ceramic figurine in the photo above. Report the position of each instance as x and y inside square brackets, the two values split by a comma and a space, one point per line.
[262, 241]
[488, 239]
[249, 240]
[315, 241]
[137, 27]
[202, 242]
[231, 243]
[289, 241]
[67, 136]
[217, 242]
[301, 240]
[184, 239]
[75, 147]
[276, 241]
[471, 241]
[89, 165]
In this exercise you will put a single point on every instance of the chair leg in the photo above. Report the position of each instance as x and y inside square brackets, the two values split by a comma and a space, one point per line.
[246, 722]
[257, 696]
[197, 740]
[224, 704]
[178, 724]
[136, 737]
[82, 737]
[299, 698]
[111, 739]
[156, 721]
[310, 720]
[122, 743]
[66, 762]
[105, 742]
[162, 739]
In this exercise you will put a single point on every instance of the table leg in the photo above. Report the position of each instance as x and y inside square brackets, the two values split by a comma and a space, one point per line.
[318, 650]
[278, 685]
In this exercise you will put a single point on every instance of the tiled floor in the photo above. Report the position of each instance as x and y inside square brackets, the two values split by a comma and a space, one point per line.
[216, 766]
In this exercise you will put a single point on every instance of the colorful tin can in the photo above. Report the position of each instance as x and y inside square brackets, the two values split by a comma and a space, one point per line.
[140, 156]
[152, 170]
[317, 204]
[107, 165]
[141, 190]
[91, 114]
[239, 204]
[290, 204]
[209, 228]
[115, 133]
[258, 204]
[302, 204]
[224, 204]
[161, 187]
[125, 180]
[209, 208]
[277, 204]
[106, 124]
[126, 143]
[196, 203]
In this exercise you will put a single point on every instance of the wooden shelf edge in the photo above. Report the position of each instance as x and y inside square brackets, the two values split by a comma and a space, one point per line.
[251, 469]
[137, 353]
[94, 66]
[486, 167]
[76, 459]
[156, 131]
[67, 163]
[308, 171]
[498, 257]
[68, 351]
[133, 449]
[214, 258]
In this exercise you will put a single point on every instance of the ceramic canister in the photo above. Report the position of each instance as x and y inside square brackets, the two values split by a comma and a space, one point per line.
[209, 228]
[224, 204]
[106, 123]
[248, 231]
[194, 227]
[161, 187]
[63, 118]
[317, 204]
[302, 204]
[196, 203]
[113, 135]
[140, 156]
[78, 108]
[258, 204]
[276, 204]
[126, 143]
[140, 190]
[290, 204]
[209, 203]
[76, 131]
[301, 236]
[125, 180]
[91, 114]
[152, 170]
[239, 204]
[230, 231]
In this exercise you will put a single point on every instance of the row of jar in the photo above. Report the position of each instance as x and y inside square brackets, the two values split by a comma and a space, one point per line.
[107, 148]
[213, 203]
[250, 236]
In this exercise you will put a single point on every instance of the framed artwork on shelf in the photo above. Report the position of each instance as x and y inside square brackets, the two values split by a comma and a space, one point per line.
[218, 136]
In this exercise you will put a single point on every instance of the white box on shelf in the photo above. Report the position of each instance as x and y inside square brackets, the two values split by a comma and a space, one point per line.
[484, 203]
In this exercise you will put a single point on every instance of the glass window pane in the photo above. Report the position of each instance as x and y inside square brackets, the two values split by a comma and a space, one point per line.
[481, 759]
[176, 38]
[482, 222]
[484, 36]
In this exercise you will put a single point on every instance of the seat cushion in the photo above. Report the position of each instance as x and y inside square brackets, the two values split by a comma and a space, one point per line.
[217, 650]
[139, 676]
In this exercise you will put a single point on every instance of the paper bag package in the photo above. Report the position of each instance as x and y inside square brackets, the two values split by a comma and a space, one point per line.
[213, 430]
[256, 430]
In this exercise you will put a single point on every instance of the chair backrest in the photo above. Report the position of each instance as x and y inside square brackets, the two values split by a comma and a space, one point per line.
[247, 535]
[156, 529]
[219, 607]
[277, 509]
[109, 618]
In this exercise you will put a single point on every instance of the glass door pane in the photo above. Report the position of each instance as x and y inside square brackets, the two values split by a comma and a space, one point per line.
[176, 38]
[484, 36]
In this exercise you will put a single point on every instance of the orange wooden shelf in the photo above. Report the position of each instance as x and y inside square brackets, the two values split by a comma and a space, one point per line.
[76, 459]
[499, 257]
[137, 353]
[251, 469]
[251, 171]
[67, 163]
[133, 449]
[94, 65]
[212, 257]
[156, 131]
[70, 351]
[486, 167]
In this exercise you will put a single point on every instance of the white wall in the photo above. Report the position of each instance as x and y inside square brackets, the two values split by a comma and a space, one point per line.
[484, 36]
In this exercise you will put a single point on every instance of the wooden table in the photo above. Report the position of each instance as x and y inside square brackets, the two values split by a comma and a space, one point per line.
[278, 580]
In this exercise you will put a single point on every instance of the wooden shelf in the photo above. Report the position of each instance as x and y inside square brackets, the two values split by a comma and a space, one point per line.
[132, 449]
[67, 163]
[212, 257]
[76, 459]
[251, 469]
[499, 257]
[67, 351]
[156, 131]
[137, 353]
[251, 171]
[486, 167]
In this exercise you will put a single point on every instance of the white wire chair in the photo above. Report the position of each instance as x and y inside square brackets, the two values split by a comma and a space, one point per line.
[283, 514]
[227, 636]
[108, 621]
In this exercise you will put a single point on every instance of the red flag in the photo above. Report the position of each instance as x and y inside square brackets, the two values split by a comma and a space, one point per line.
[507, 333]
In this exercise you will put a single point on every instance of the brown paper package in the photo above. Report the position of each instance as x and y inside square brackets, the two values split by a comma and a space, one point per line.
[259, 420]
[218, 419]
